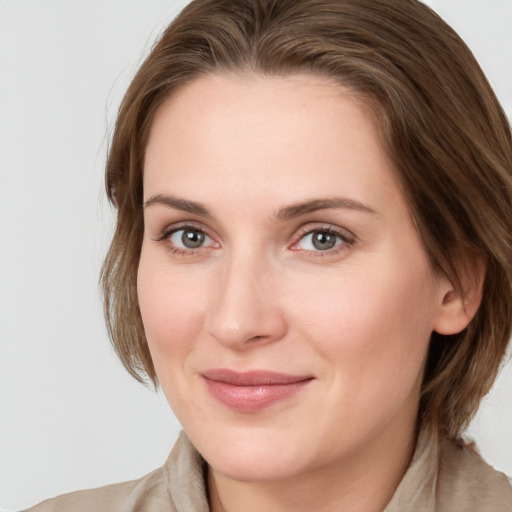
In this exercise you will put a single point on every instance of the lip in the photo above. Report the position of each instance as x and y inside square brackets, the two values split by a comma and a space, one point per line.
[254, 390]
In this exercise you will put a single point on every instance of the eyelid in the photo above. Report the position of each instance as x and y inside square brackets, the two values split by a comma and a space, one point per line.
[176, 226]
[347, 237]
[169, 230]
[344, 234]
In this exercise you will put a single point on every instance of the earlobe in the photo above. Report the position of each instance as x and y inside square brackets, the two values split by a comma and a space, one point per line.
[458, 307]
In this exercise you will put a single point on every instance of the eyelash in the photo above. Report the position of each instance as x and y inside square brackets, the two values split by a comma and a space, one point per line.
[166, 234]
[347, 240]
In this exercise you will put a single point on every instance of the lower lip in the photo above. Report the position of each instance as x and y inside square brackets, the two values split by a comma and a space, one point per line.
[253, 398]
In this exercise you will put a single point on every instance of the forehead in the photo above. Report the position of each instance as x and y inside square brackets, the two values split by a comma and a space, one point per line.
[258, 137]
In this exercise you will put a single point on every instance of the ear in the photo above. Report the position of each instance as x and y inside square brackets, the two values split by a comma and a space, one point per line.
[457, 308]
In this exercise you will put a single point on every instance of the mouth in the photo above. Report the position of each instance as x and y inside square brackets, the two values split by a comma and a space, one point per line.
[252, 391]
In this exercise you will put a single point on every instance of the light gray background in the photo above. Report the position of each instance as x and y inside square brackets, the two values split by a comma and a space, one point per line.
[70, 417]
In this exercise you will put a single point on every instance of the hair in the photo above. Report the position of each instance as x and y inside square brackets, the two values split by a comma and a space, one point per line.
[441, 124]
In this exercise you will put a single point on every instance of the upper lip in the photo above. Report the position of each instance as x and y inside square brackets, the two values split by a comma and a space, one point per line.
[252, 377]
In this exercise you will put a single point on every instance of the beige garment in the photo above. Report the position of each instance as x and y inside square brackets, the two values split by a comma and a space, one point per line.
[442, 477]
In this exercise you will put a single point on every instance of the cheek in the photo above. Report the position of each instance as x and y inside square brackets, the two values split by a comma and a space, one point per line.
[373, 325]
[172, 305]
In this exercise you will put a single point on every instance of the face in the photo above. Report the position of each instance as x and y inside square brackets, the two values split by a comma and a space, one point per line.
[285, 294]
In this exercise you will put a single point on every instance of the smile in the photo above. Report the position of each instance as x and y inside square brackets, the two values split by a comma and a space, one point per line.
[254, 390]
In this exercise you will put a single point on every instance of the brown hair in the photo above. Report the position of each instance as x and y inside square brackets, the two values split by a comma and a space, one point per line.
[441, 122]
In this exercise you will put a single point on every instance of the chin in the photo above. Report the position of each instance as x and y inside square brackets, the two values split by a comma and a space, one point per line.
[251, 454]
[260, 467]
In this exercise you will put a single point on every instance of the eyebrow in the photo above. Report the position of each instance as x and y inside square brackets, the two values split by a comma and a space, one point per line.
[178, 204]
[286, 213]
[298, 209]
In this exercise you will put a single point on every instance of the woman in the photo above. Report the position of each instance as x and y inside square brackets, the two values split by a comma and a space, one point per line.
[312, 258]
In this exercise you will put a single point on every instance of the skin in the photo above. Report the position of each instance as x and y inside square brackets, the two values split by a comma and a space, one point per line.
[258, 294]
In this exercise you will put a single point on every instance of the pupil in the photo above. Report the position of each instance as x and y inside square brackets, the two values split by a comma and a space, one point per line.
[192, 239]
[324, 241]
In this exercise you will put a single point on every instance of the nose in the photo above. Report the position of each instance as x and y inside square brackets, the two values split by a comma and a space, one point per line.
[244, 309]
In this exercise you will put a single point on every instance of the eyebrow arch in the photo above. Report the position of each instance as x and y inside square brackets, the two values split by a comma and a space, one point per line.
[178, 204]
[288, 212]
[297, 209]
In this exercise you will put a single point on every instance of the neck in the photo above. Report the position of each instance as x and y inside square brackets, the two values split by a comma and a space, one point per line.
[363, 481]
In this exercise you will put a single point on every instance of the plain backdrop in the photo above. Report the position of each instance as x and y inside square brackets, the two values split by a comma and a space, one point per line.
[70, 416]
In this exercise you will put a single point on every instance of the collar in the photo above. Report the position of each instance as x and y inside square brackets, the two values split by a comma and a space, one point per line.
[443, 477]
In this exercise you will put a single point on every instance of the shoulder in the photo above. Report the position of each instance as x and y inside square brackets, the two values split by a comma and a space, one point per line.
[148, 493]
[177, 485]
[467, 483]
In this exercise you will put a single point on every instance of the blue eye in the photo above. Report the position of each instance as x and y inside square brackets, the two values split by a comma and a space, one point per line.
[320, 240]
[189, 238]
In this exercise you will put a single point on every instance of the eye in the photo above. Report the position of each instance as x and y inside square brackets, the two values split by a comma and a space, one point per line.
[189, 238]
[321, 240]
